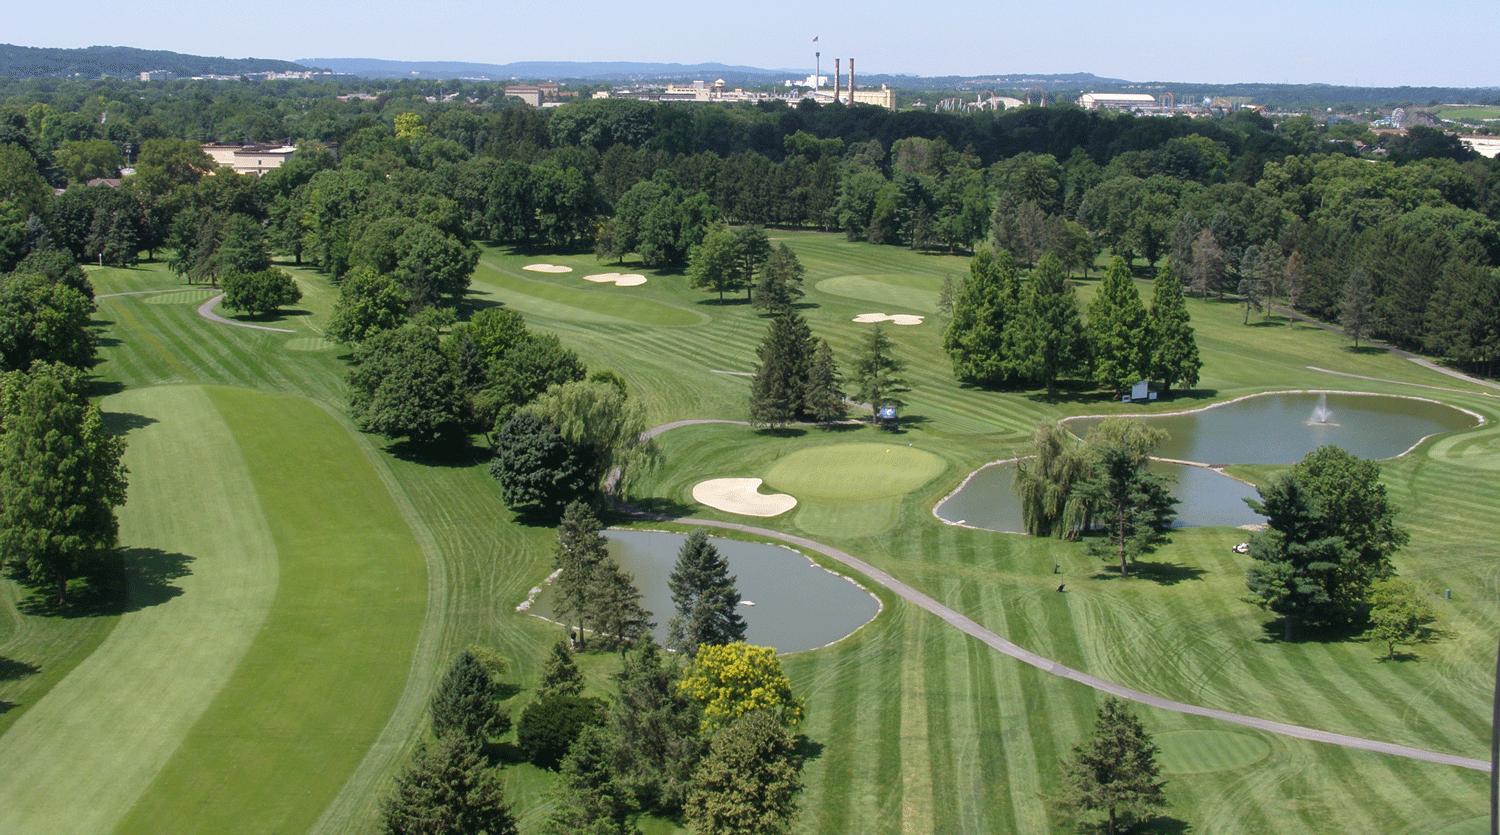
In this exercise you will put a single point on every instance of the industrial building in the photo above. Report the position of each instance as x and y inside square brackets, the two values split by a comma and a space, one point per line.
[249, 159]
[1117, 101]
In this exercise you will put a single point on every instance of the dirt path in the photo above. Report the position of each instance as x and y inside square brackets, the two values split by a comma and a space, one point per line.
[995, 641]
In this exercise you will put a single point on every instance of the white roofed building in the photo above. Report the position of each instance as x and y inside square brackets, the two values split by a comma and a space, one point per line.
[1116, 101]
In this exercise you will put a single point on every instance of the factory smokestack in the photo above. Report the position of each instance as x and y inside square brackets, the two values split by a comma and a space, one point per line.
[835, 79]
[851, 81]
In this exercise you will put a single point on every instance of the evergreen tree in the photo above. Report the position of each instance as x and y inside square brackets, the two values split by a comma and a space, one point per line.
[1174, 351]
[1354, 507]
[560, 675]
[1115, 770]
[748, 783]
[752, 249]
[448, 790]
[1132, 504]
[466, 702]
[580, 551]
[780, 281]
[981, 339]
[877, 373]
[616, 605]
[590, 800]
[1051, 343]
[652, 727]
[61, 476]
[707, 601]
[779, 388]
[1357, 308]
[824, 400]
[1295, 559]
[1116, 330]
[1253, 288]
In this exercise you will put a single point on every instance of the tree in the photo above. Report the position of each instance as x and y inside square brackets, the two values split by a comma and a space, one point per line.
[779, 388]
[61, 477]
[1353, 506]
[1174, 351]
[1051, 342]
[1117, 330]
[714, 263]
[824, 399]
[730, 680]
[368, 303]
[1295, 559]
[1131, 503]
[403, 386]
[1356, 311]
[748, 783]
[1047, 483]
[591, 799]
[580, 550]
[780, 281]
[1115, 769]
[1207, 264]
[43, 321]
[548, 727]
[706, 598]
[1255, 278]
[448, 790]
[877, 373]
[536, 467]
[534, 364]
[260, 293]
[752, 251]
[981, 339]
[616, 605]
[467, 702]
[597, 417]
[560, 675]
[653, 729]
[1399, 613]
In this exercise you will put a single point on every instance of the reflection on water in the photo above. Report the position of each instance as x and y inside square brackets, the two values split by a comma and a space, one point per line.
[798, 605]
[1282, 428]
[989, 500]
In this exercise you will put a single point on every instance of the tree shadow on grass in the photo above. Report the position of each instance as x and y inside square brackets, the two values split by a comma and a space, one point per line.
[1367, 350]
[1399, 657]
[728, 302]
[1166, 573]
[805, 749]
[660, 506]
[1164, 825]
[11, 669]
[131, 579]
[781, 431]
[96, 388]
[503, 753]
[1309, 633]
[123, 423]
[439, 454]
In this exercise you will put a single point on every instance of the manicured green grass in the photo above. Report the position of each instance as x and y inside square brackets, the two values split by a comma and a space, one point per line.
[916, 728]
[1198, 752]
[853, 471]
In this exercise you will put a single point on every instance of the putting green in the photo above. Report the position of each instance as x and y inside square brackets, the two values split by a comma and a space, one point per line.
[81, 757]
[916, 292]
[318, 683]
[1199, 752]
[853, 472]
[183, 296]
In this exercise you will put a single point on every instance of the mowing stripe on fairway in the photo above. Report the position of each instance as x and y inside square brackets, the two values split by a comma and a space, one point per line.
[324, 672]
[79, 760]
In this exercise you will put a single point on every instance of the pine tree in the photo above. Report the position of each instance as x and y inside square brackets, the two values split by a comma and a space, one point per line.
[752, 249]
[1115, 769]
[824, 400]
[707, 601]
[653, 729]
[1133, 505]
[466, 702]
[748, 783]
[981, 339]
[1296, 560]
[1051, 328]
[780, 386]
[560, 675]
[1356, 310]
[1116, 330]
[1174, 351]
[877, 374]
[780, 281]
[580, 551]
[448, 790]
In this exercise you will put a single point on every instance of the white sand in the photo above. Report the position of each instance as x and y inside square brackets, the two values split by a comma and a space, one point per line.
[739, 495]
[547, 268]
[628, 280]
[894, 318]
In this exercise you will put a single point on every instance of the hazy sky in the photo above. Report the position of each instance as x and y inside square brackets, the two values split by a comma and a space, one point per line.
[1376, 43]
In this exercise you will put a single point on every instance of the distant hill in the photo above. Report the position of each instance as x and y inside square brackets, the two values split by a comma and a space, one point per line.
[583, 70]
[125, 62]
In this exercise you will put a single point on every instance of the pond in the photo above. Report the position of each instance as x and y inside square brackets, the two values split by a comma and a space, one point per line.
[1283, 427]
[989, 500]
[797, 604]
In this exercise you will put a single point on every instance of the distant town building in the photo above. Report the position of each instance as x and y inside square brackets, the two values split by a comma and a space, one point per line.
[1116, 101]
[158, 75]
[884, 97]
[249, 159]
[537, 95]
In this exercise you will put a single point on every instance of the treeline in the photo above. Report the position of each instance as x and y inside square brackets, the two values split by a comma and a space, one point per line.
[95, 61]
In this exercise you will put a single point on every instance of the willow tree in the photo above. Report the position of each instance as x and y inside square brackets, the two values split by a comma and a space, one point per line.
[1045, 483]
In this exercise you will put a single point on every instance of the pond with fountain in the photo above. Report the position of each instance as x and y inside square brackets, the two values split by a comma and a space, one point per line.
[788, 601]
[1277, 428]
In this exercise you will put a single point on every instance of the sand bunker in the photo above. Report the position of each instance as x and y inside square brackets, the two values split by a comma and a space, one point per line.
[547, 268]
[627, 280]
[738, 495]
[895, 318]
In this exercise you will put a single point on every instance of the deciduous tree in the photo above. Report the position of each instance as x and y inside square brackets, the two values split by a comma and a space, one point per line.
[368, 303]
[598, 417]
[1399, 613]
[403, 386]
[1047, 483]
[730, 680]
[260, 293]
[536, 467]
[1133, 505]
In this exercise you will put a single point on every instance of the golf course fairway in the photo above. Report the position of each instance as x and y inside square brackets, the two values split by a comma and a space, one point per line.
[268, 636]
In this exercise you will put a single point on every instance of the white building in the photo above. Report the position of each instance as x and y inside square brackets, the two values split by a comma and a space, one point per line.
[249, 159]
[1116, 101]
